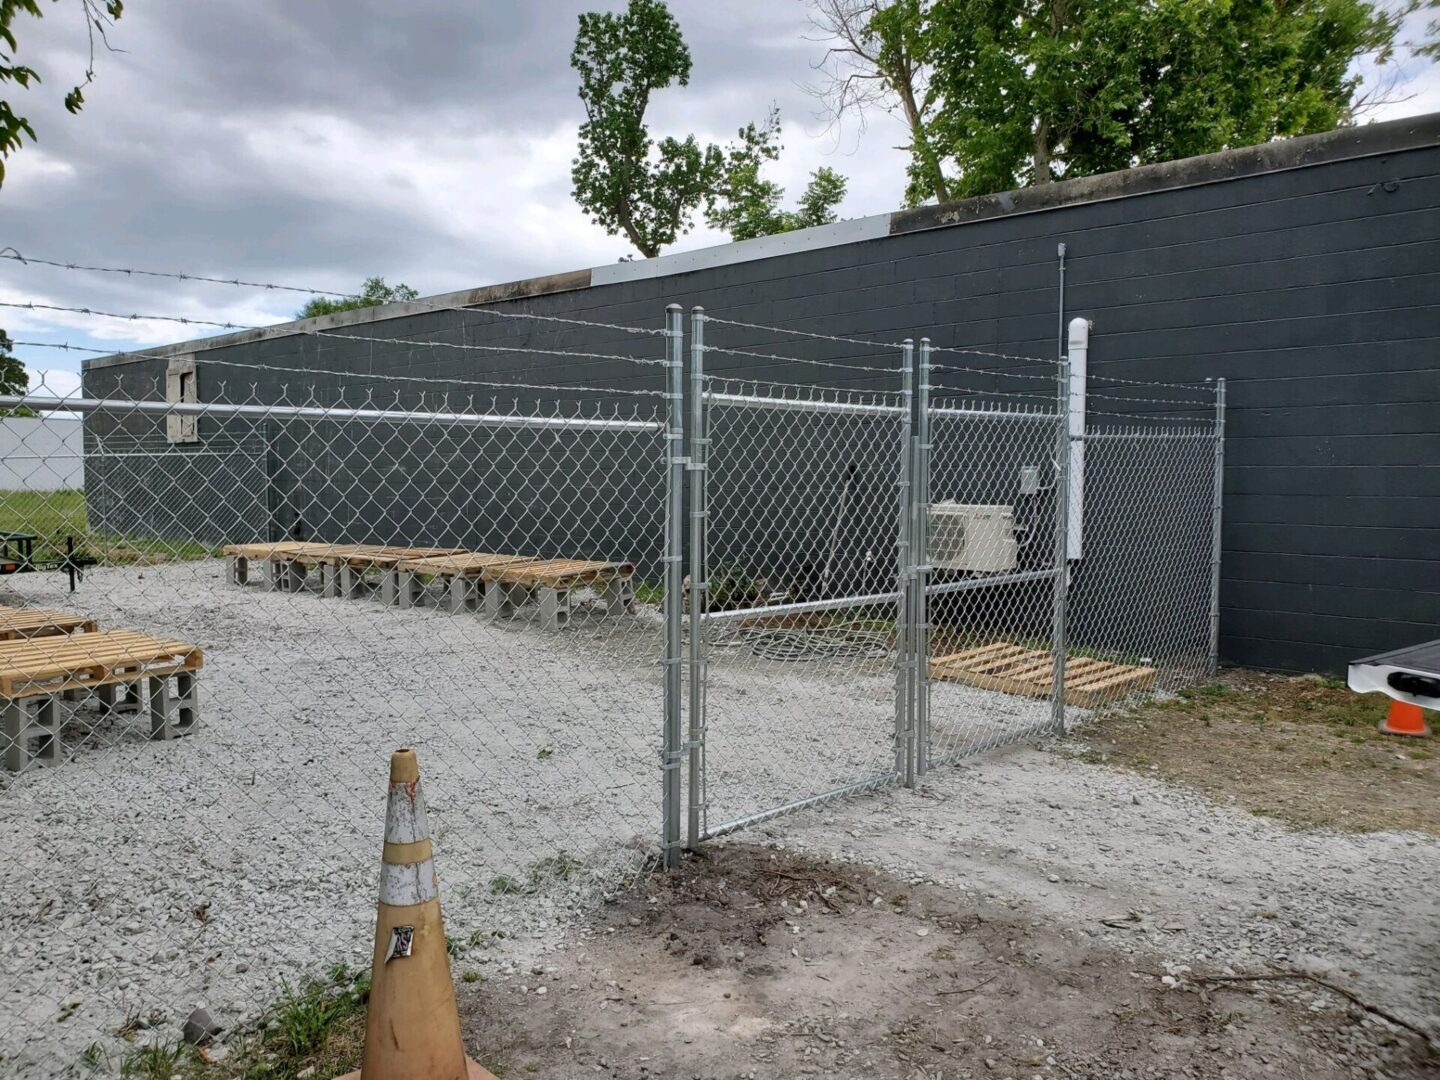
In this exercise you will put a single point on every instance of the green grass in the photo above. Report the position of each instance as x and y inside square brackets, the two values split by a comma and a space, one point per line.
[54, 515]
[319, 1026]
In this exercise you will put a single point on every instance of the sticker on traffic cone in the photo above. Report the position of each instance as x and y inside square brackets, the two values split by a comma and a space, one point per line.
[413, 1029]
[1404, 719]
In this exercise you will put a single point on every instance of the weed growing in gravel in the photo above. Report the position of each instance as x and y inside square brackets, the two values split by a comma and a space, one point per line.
[505, 885]
[158, 1061]
[319, 1026]
[560, 867]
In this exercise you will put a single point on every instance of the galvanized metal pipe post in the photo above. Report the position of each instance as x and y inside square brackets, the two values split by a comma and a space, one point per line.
[1062, 561]
[904, 668]
[920, 552]
[699, 580]
[1218, 496]
[672, 752]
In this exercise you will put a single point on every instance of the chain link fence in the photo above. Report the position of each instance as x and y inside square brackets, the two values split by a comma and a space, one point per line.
[613, 623]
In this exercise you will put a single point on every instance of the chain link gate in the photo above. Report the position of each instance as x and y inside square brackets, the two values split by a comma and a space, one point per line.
[881, 583]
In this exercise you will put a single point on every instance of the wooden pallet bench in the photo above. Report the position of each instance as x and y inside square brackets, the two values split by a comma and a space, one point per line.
[39, 675]
[552, 581]
[460, 575]
[287, 566]
[344, 573]
[284, 566]
[18, 624]
[1012, 669]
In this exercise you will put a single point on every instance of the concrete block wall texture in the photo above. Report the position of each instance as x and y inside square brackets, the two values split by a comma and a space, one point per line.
[1307, 273]
[41, 454]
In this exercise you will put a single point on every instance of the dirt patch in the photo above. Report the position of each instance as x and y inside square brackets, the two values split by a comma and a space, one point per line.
[1302, 750]
[756, 962]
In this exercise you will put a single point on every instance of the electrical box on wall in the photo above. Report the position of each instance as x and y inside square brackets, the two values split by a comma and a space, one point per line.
[972, 537]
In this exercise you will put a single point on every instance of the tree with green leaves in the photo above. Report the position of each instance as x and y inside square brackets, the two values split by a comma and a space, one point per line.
[649, 191]
[371, 294]
[13, 377]
[746, 205]
[100, 15]
[1005, 93]
[1429, 47]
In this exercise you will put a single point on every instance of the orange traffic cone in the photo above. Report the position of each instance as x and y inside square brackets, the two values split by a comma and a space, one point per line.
[1404, 719]
[413, 1028]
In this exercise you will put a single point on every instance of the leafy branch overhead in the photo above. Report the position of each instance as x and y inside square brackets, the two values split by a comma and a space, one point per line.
[648, 190]
[373, 293]
[100, 15]
[1004, 93]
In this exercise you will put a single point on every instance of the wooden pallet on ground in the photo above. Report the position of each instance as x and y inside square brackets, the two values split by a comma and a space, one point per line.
[1012, 669]
[18, 624]
[55, 664]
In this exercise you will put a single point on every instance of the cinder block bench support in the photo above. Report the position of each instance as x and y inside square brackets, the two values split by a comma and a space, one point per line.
[619, 595]
[173, 715]
[501, 597]
[461, 591]
[32, 732]
[554, 607]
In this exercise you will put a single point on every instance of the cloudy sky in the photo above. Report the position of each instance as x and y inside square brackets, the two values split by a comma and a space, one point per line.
[317, 142]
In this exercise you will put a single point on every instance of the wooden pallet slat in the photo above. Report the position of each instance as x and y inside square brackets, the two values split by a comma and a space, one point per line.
[1012, 669]
[558, 573]
[383, 558]
[467, 563]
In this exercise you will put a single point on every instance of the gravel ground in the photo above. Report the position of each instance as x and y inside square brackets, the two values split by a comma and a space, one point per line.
[149, 877]
[159, 876]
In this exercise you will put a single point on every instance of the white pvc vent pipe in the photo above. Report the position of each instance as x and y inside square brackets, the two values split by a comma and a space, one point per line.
[1079, 349]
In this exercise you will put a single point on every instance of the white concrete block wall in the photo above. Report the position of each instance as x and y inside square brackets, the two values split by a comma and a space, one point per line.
[41, 454]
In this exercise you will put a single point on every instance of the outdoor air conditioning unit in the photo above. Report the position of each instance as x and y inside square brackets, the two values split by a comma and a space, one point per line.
[972, 537]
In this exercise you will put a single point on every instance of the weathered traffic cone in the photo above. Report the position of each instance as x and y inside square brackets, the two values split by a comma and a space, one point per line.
[413, 1029]
[1404, 719]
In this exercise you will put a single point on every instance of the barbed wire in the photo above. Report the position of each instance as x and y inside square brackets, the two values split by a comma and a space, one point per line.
[966, 351]
[803, 333]
[799, 360]
[15, 256]
[1206, 386]
[991, 372]
[341, 336]
[356, 375]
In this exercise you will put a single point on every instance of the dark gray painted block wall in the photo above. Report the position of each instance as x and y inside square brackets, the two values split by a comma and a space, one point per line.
[1315, 291]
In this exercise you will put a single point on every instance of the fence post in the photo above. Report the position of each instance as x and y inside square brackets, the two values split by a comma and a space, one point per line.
[672, 752]
[1062, 532]
[920, 559]
[699, 579]
[904, 668]
[1218, 494]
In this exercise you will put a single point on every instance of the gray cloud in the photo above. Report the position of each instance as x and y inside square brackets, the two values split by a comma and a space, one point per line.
[317, 142]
